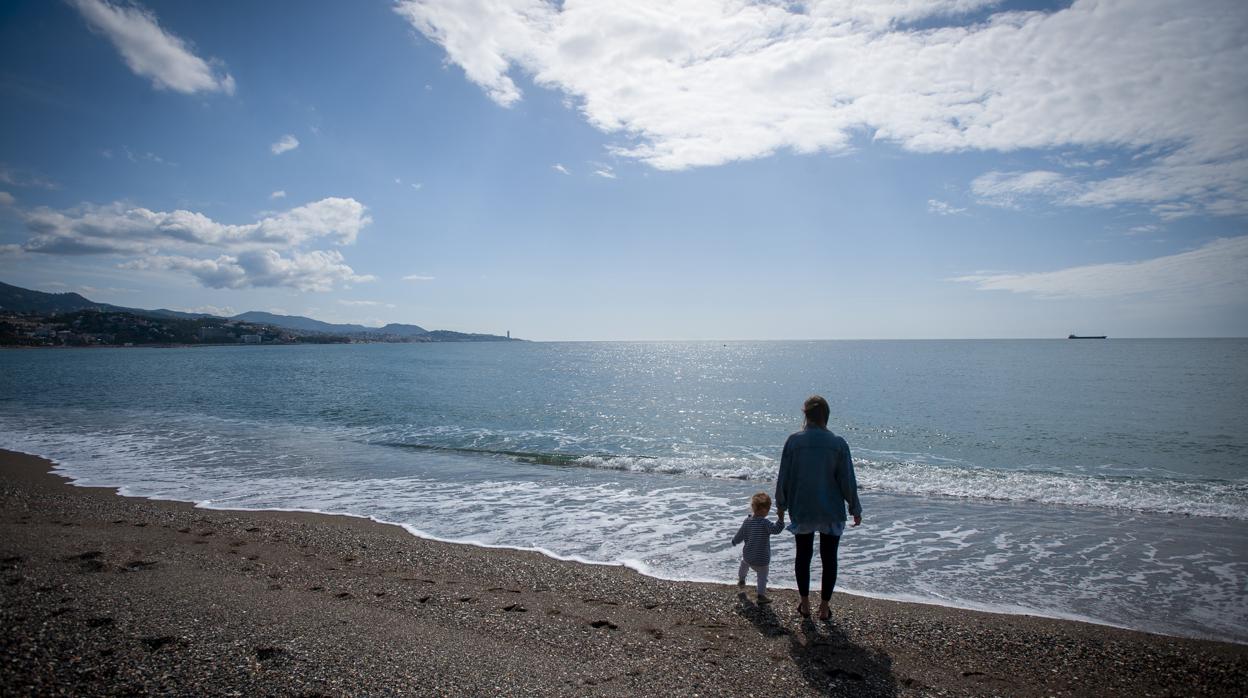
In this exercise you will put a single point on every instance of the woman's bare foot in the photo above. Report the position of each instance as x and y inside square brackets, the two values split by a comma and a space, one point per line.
[803, 608]
[825, 613]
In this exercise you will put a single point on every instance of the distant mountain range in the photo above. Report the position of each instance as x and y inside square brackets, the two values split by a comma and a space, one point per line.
[24, 300]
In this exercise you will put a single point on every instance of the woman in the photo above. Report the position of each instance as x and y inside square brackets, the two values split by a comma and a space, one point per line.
[816, 481]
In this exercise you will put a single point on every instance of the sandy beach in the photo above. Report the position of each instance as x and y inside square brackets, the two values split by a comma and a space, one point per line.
[104, 594]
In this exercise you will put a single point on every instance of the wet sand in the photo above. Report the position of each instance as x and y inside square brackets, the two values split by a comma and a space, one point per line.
[103, 594]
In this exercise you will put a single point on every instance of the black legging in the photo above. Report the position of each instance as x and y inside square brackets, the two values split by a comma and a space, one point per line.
[827, 555]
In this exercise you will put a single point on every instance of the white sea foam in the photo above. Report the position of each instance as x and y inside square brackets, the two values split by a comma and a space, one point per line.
[1186, 497]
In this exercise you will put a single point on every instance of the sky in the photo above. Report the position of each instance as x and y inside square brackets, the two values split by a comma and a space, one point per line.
[611, 170]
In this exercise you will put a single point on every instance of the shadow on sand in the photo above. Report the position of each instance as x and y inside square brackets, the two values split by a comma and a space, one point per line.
[828, 660]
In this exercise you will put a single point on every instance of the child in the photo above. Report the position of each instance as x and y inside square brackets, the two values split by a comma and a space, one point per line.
[757, 531]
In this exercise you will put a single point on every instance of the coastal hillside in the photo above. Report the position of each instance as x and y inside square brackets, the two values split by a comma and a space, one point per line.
[307, 324]
[37, 318]
[16, 299]
[298, 322]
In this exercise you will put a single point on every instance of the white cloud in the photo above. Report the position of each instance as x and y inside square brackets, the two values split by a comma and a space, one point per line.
[418, 186]
[283, 144]
[371, 304]
[7, 199]
[279, 194]
[218, 310]
[152, 52]
[118, 228]
[268, 252]
[605, 171]
[1070, 161]
[702, 82]
[1217, 271]
[143, 157]
[943, 208]
[418, 277]
[21, 178]
[1005, 189]
[317, 270]
[560, 169]
[107, 289]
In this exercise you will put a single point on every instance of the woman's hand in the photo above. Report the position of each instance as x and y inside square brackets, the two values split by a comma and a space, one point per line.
[857, 519]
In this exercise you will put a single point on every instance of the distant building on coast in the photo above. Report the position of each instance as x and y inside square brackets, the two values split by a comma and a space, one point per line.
[250, 339]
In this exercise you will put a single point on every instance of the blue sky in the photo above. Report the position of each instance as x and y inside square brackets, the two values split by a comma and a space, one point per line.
[674, 170]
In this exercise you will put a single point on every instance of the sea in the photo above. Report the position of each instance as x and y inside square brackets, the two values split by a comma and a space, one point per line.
[1099, 480]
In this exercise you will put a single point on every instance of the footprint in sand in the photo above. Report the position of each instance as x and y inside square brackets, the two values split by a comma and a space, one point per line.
[99, 622]
[604, 624]
[154, 643]
[268, 654]
[343, 595]
[253, 529]
[88, 561]
[515, 608]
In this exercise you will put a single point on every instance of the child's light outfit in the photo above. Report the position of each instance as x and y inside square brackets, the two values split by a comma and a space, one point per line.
[756, 531]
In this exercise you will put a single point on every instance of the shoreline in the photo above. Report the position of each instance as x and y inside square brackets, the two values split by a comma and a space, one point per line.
[63, 471]
[108, 594]
[625, 564]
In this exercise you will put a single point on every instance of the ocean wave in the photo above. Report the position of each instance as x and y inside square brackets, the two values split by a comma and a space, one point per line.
[939, 478]
[1208, 498]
